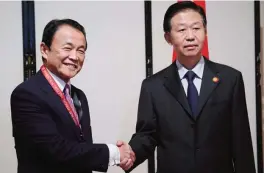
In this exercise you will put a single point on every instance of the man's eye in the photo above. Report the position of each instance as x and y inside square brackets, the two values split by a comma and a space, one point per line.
[181, 30]
[67, 48]
[81, 51]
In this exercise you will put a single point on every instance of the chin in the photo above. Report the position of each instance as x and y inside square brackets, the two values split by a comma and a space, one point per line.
[67, 77]
[71, 76]
[190, 55]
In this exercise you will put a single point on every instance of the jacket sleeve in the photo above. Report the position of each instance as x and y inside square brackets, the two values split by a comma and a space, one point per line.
[144, 141]
[243, 157]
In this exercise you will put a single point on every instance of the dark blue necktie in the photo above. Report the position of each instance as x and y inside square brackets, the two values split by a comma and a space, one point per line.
[192, 93]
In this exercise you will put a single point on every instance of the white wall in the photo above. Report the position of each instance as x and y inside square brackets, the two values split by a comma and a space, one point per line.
[12, 74]
[230, 39]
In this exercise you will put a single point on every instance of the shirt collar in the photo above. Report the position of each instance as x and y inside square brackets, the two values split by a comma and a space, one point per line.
[61, 84]
[198, 69]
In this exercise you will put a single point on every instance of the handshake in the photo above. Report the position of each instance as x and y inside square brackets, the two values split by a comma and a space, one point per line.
[127, 156]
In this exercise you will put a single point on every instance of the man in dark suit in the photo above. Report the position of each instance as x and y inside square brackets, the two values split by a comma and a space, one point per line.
[50, 116]
[193, 111]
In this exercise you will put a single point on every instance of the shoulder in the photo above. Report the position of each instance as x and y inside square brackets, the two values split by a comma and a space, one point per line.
[224, 70]
[159, 76]
[29, 85]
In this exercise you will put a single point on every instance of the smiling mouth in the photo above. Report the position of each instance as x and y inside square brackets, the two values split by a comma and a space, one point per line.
[71, 65]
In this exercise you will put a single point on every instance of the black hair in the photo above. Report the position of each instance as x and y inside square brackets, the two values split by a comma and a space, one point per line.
[51, 28]
[179, 7]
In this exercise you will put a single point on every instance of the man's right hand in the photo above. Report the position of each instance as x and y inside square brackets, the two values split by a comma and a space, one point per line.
[127, 156]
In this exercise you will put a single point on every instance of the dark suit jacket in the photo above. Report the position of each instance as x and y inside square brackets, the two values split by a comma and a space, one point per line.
[218, 140]
[46, 138]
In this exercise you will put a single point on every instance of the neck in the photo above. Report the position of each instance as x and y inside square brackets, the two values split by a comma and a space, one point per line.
[189, 62]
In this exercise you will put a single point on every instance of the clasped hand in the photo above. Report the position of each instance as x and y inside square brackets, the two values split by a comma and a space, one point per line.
[127, 156]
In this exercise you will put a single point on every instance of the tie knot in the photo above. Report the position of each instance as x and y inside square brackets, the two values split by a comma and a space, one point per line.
[190, 75]
[67, 89]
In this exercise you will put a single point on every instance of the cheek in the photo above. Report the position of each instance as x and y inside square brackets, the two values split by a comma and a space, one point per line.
[52, 60]
[81, 61]
[57, 61]
[63, 54]
[178, 41]
[200, 37]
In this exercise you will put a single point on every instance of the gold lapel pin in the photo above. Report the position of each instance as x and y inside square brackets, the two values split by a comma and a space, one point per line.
[215, 79]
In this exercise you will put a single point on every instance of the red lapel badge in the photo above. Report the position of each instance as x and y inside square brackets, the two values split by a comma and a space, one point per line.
[215, 79]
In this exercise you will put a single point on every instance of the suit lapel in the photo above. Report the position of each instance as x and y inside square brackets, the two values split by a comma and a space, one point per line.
[210, 81]
[55, 102]
[77, 103]
[81, 106]
[174, 86]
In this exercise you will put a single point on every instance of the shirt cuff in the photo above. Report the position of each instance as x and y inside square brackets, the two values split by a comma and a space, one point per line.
[114, 155]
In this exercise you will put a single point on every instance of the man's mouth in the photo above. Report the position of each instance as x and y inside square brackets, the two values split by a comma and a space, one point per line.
[73, 66]
[190, 47]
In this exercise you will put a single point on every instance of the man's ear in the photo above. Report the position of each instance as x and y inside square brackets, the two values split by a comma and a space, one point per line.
[44, 50]
[167, 37]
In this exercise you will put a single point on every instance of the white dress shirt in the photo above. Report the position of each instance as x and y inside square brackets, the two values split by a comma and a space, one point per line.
[198, 70]
[114, 154]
